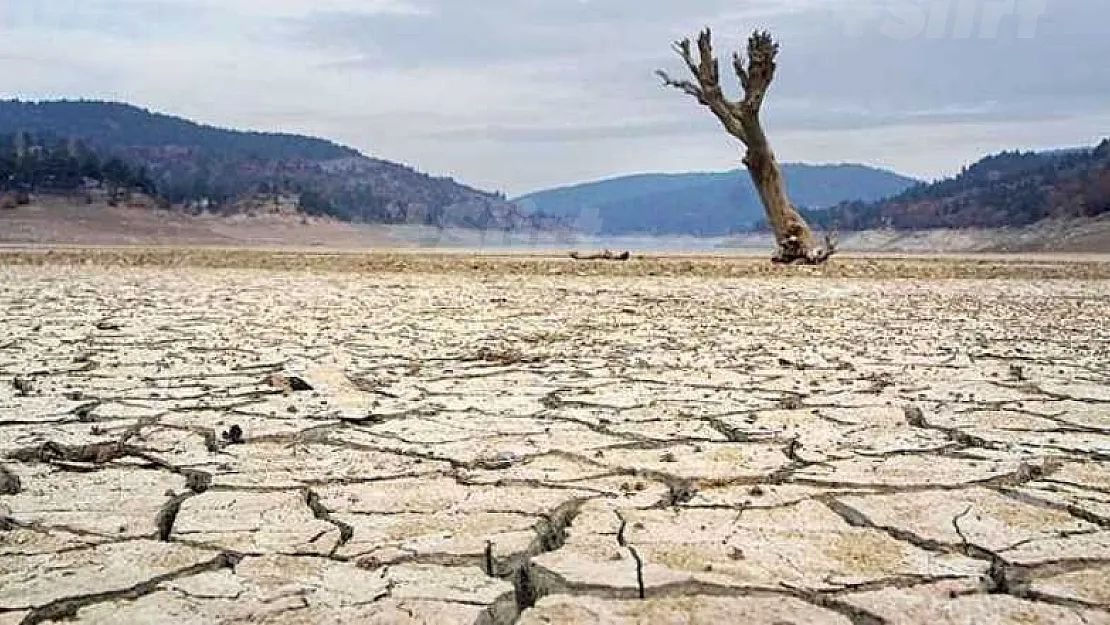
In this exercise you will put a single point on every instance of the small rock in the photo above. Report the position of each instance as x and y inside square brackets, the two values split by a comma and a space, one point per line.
[1027, 472]
[287, 383]
[790, 403]
[915, 416]
[108, 325]
[668, 457]
[234, 435]
[299, 385]
[380, 558]
[23, 386]
[198, 481]
[9, 482]
[500, 462]
[793, 447]
[736, 553]
[84, 412]
[756, 491]
[369, 563]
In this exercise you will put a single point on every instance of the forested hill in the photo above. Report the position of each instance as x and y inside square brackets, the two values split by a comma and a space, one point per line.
[110, 125]
[1001, 190]
[190, 165]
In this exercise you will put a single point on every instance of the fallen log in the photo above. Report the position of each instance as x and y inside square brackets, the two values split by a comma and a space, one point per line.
[602, 255]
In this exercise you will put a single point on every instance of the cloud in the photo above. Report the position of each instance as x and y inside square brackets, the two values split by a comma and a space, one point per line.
[517, 94]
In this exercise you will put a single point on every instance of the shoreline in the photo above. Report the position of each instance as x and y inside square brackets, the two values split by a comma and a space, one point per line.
[487, 263]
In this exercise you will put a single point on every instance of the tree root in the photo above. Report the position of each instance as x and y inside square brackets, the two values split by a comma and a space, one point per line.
[793, 252]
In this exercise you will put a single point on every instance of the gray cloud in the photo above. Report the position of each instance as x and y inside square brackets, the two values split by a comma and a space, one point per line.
[1055, 69]
[516, 94]
[829, 75]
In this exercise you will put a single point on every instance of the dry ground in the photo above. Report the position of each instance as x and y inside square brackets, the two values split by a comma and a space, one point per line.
[532, 440]
[54, 221]
[62, 221]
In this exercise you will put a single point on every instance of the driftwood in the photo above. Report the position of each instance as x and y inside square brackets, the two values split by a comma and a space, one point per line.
[602, 255]
[741, 119]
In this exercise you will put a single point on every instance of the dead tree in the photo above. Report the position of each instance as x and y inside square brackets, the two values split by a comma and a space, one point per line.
[740, 118]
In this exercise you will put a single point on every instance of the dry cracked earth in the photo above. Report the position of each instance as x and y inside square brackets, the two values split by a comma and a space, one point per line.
[232, 446]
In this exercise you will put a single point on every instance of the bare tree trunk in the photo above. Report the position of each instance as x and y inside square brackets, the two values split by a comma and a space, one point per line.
[741, 119]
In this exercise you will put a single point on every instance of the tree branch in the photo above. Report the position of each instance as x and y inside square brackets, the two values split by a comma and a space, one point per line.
[710, 69]
[741, 73]
[760, 71]
[706, 86]
[683, 50]
[685, 86]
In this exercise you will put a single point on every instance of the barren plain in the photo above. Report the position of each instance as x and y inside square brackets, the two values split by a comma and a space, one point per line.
[207, 436]
[60, 221]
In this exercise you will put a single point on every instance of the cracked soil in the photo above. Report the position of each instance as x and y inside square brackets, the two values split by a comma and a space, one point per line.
[211, 445]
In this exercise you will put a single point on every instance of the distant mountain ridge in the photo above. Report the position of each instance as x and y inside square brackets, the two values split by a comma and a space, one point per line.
[706, 203]
[92, 149]
[196, 166]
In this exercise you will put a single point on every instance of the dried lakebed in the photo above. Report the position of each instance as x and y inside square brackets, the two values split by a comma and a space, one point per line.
[231, 446]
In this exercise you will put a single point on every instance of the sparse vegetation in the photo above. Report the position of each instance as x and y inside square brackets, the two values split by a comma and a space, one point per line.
[44, 163]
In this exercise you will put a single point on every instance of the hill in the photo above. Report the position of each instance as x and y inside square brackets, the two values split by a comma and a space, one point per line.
[197, 167]
[1007, 189]
[709, 203]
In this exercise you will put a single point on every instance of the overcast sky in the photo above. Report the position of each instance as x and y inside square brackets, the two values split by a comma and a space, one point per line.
[516, 95]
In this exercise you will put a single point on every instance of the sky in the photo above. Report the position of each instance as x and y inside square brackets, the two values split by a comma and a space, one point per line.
[519, 95]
